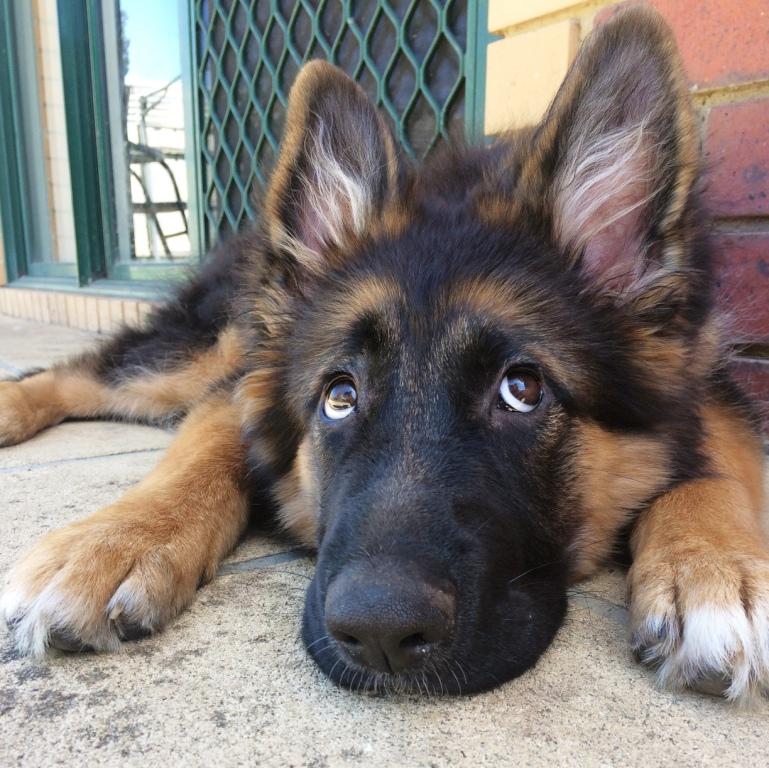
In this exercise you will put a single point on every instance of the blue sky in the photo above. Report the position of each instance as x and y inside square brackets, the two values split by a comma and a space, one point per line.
[152, 27]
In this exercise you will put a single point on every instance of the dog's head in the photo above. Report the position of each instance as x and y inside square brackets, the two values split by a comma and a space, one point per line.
[471, 375]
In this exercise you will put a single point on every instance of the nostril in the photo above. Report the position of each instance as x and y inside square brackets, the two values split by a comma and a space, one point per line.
[388, 618]
[412, 642]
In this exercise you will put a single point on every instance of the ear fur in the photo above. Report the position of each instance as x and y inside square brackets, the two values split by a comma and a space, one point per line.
[337, 167]
[616, 156]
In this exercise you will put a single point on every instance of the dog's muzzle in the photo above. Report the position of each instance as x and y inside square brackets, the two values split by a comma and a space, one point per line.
[386, 617]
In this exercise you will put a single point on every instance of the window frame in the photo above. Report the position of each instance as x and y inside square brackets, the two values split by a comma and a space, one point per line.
[23, 190]
[26, 222]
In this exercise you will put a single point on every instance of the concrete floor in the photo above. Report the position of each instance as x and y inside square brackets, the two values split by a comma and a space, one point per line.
[228, 683]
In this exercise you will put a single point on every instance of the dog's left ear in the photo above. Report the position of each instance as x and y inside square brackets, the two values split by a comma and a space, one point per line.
[616, 155]
[337, 168]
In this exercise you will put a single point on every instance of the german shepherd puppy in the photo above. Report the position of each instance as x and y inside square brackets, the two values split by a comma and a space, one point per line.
[462, 384]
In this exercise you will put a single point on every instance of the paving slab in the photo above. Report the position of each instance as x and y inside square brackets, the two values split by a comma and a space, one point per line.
[26, 344]
[228, 683]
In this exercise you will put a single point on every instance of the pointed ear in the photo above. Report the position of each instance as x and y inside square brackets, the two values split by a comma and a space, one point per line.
[337, 167]
[616, 155]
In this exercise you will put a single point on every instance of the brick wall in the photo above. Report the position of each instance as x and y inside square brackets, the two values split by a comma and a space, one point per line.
[101, 314]
[725, 48]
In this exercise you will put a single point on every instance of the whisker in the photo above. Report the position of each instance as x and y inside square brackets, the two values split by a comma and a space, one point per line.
[461, 669]
[338, 661]
[324, 649]
[325, 637]
[459, 685]
[535, 568]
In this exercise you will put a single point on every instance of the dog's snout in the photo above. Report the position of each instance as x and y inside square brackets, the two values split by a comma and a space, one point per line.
[388, 619]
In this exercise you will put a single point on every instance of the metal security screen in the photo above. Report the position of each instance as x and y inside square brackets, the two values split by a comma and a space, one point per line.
[410, 56]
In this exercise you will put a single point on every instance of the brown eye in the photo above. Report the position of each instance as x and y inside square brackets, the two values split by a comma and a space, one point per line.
[341, 398]
[520, 390]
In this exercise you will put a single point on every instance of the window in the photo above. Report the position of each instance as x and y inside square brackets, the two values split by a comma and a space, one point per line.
[147, 130]
[136, 133]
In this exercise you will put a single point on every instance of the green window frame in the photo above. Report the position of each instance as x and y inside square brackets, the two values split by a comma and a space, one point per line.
[24, 206]
[26, 225]
[87, 49]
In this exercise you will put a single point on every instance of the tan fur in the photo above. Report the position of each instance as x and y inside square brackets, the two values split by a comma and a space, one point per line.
[699, 550]
[140, 560]
[255, 391]
[372, 295]
[297, 494]
[313, 78]
[577, 84]
[73, 391]
[518, 306]
[188, 383]
[393, 222]
[617, 474]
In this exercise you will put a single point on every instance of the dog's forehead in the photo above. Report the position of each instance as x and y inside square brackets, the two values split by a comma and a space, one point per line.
[446, 319]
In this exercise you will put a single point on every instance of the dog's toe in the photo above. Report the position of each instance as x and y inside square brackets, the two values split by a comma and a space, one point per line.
[91, 587]
[704, 623]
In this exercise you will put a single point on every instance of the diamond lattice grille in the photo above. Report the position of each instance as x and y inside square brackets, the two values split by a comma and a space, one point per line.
[408, 55]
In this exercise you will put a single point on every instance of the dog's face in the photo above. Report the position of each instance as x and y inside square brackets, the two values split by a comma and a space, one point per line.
[437, 435]
[470, 377]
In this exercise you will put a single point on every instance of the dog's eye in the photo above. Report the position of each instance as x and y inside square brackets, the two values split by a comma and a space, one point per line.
[341, 398]
[520, 390]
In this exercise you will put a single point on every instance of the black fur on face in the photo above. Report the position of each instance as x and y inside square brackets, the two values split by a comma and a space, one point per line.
[432, 468]
[397, 305]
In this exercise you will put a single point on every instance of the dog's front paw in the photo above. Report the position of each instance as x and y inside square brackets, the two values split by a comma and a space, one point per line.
[701, 618]
[95, 583]
[18, 420]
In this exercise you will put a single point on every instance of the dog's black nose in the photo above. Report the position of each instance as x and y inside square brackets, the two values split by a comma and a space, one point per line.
[387, 618]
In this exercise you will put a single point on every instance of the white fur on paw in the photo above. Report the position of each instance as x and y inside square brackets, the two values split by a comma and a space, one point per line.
[57, 618]
[716, 647]
[52, 619]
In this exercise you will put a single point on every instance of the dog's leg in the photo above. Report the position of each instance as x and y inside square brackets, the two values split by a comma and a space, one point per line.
[699, 584]
[128, 569]
[103, 384]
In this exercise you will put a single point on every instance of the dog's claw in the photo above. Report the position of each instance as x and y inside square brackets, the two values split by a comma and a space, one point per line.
[128, 630]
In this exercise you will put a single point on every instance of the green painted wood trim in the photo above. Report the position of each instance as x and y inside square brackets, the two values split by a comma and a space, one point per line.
[198, 233]
[52, 269]
[102, 133]
[23, 184]
[76, 62]
[144, 290]
[28, 283]
[11, 199]
[478, 39]
[154, 270]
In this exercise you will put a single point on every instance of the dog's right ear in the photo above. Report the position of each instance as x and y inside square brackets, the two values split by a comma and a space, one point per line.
[337, 168]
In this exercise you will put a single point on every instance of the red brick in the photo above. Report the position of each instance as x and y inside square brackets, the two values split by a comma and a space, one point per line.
[721, 42]
[737, 159]
[741, 265]
[753, 376]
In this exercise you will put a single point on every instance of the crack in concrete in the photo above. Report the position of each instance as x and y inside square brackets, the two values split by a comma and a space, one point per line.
[264, 561]
[55, 462]
[604, 607]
